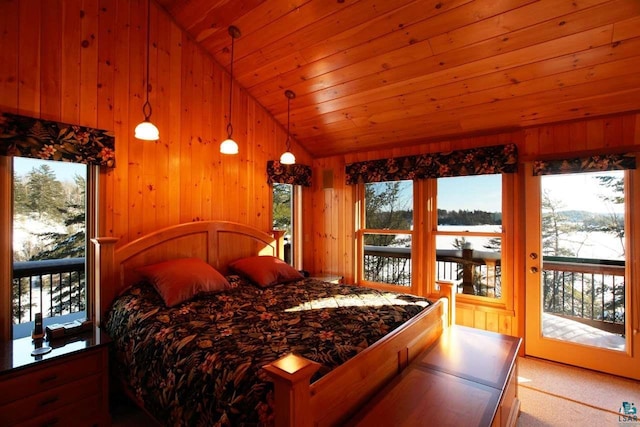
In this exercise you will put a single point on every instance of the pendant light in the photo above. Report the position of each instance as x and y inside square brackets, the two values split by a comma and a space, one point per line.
[147, 130]
[229, 146]
[287, 157]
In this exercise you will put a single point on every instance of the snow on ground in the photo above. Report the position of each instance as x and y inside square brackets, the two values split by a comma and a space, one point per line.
[26, 229]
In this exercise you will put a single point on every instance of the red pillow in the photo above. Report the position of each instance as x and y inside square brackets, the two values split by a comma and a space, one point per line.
[265, 270]
[179, 280]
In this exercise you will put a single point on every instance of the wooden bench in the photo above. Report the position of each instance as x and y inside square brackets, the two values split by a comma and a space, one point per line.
[468, 377]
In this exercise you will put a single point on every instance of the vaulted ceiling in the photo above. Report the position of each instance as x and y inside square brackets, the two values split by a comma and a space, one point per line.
[371, 74]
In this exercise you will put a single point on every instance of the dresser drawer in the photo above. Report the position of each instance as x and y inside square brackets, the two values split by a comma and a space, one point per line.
[510, 405]
[39, 377]
[84, 413]
[50, 400]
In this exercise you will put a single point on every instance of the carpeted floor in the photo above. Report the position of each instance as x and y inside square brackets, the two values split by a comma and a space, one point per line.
[557, 395]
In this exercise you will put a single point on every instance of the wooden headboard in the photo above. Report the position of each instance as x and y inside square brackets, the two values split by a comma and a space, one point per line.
[216, 242]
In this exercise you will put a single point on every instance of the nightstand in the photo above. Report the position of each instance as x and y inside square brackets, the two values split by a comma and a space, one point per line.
[67, 386]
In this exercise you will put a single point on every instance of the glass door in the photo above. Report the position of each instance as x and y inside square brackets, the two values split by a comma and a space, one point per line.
[578, 293]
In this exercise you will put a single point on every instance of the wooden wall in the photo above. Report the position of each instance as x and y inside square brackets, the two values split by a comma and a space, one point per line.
[331, 229]
[83, 61]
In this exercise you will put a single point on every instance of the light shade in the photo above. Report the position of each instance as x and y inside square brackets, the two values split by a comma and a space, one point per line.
[147, 131]
[229, 146]
[287, 158]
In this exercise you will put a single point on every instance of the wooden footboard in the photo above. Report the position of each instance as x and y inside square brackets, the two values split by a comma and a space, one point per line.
[338, 395]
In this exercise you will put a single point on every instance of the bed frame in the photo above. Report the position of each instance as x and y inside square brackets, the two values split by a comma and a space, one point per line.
[336, 396]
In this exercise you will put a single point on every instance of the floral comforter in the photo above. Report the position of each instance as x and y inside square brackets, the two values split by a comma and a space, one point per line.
[199, 363]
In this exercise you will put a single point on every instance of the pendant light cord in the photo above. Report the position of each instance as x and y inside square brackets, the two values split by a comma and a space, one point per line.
[229, 126]
[288, 123]
[147, 106]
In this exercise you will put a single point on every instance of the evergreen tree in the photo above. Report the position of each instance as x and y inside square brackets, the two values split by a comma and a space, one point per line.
[72, 243]
[38, 193]
[282, 207]
[613, 223]
[20, 305]
[44, 192]
[68, 293]
[465, 217]
[20, 196]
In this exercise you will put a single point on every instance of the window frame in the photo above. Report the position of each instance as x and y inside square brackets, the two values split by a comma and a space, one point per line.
[361, 231]
[436, 232]
[296, 223]
[6, 233]
[425, 221]
[505, 302]
[92, 222]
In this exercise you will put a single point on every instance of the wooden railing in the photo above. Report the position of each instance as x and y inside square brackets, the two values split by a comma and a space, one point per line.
[51, 287]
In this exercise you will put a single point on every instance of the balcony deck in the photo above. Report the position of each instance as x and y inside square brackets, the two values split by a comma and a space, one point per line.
[569, 330]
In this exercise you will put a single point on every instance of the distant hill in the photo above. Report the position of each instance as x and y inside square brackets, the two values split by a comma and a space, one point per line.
[582, 216]
[464, 217]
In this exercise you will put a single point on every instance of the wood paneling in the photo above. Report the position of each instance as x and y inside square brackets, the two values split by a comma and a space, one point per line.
[371, 75]
[401, 78]
[83, 61]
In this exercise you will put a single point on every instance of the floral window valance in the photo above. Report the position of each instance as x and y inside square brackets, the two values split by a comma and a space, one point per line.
[24, 136]
[598, 163]
[476, 161]
[288, 174]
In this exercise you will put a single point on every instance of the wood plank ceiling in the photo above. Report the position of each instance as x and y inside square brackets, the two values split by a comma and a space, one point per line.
[372, 74]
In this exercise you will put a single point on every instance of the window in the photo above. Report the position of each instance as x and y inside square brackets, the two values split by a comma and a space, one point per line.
[386, 235]
[49, 247]
[283, 216]
[468, 236]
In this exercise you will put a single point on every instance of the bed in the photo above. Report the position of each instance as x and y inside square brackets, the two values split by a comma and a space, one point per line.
[297, 353]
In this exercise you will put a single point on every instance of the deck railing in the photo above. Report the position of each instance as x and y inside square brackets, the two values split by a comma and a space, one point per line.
[476, 272]
[384, 264]
[51, 287]
[590, 291]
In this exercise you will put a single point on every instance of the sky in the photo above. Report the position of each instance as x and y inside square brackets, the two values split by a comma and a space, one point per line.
[64, 171]
[579, 191]
[481, 192]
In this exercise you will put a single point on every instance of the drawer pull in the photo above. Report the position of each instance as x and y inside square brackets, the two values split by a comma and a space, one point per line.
[51, 422]
[49, 401]
[48, 379]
